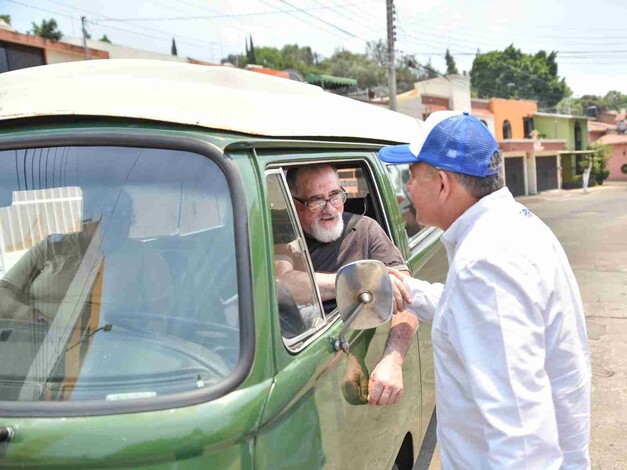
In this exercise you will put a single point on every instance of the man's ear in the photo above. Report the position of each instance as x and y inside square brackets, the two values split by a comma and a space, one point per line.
[446, 185]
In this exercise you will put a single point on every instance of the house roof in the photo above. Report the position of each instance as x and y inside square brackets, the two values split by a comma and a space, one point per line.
[564, 116]
[613, 139]
[221, 98]
[597, 126]
[41, 43]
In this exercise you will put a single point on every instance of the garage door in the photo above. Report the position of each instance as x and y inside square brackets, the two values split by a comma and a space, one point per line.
[546, 172]
[515, 175]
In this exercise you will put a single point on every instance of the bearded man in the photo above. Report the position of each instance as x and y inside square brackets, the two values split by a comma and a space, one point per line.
[335, 238]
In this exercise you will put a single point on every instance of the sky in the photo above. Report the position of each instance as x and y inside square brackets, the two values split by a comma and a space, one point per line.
[589, 36]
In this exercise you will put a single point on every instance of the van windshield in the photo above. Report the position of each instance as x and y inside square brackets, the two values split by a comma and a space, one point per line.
[117, 274]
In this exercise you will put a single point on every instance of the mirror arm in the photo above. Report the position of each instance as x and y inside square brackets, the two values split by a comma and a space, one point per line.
[341, 343]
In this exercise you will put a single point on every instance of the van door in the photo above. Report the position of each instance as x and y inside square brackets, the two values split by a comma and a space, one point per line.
[317, 414]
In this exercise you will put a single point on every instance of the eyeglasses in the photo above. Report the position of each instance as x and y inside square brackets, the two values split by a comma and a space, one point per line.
[317, 204]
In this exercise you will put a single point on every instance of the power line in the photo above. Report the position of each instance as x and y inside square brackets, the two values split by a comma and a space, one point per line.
[212, 17]
[348, 33]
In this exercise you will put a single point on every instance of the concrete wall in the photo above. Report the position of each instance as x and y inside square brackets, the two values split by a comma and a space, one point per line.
[121, 52]
[57, 57]
[617, 160]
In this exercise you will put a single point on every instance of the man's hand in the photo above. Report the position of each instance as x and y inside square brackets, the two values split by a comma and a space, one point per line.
[386, 382]
[399, 291]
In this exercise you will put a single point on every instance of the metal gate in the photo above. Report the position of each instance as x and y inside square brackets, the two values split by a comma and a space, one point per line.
[546, 172]
[515, 175]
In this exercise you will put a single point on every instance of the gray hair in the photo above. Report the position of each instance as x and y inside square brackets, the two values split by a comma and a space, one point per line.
[480, 186]
[292, 174]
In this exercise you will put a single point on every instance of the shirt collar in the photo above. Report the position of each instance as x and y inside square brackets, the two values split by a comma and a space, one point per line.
[458, 230]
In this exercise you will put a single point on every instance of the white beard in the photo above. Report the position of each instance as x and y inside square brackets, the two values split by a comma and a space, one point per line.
[327, 235]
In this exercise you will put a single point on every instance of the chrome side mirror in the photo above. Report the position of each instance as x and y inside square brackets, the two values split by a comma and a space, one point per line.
[363, 291]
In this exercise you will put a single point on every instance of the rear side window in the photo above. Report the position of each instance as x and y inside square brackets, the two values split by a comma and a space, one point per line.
[399, 175]
[117, 274]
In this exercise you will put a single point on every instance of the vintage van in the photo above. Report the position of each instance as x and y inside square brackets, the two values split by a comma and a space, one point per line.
[141, 324]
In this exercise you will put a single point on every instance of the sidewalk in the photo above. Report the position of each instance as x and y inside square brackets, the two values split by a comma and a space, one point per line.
[567, 193]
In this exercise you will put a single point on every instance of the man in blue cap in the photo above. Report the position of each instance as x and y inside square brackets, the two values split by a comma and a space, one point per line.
[509, 337]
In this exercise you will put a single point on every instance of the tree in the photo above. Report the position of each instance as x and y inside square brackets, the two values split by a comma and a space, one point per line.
[6, 18]
[173, 50]
[239, 60]
[513, 74]
[451, 68]
[377, 51]
[250, 52]
[570, 105]
[615, 100]
[104, 38]
[348, 64]
[269, 57]
[47, 29]
[599, 164]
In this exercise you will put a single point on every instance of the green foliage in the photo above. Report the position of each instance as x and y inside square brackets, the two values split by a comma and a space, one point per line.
[6, 18]
[451, 68]
[173, 50]
[513, 74]
[369, 69]
[47, 29]
[570, 105]
[601, 157]
[104, 38]
[612, 101]
[251, 56]
[343, 63]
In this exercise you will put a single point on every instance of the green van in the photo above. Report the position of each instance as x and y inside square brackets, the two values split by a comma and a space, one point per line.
[141, 324]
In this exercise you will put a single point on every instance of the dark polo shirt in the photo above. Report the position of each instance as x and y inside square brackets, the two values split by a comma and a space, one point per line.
[366, 240]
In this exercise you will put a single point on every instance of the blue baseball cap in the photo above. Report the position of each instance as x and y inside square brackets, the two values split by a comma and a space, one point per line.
[450, 141]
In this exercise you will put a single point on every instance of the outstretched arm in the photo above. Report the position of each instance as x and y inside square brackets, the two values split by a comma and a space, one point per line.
[386, 381]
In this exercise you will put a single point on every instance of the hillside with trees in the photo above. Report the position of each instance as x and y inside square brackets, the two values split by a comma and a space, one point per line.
[513, 74]
[368, 68]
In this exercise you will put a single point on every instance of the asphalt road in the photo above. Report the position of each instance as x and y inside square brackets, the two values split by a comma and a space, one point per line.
[592, 228]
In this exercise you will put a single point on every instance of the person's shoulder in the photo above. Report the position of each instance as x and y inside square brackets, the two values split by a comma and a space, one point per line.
[365, 223]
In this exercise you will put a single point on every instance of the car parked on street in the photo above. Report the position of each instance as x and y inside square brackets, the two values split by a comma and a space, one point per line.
[141, 322]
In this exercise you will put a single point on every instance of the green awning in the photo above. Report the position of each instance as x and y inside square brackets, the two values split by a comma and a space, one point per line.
[329, 81]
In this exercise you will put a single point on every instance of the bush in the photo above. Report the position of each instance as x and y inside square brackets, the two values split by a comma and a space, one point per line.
[599, 166]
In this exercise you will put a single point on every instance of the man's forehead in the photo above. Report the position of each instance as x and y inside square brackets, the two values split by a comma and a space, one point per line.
[319, 182]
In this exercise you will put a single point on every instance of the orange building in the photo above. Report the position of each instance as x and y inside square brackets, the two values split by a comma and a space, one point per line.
[512, 118]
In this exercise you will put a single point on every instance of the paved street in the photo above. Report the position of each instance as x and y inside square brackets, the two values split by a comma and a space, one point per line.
[592, 228]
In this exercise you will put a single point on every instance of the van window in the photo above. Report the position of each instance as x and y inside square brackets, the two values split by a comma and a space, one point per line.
[117, 274]
[399, 175]
[300, 312]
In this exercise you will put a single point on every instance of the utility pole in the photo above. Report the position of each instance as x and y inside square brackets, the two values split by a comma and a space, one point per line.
[84, 37]
[391, 38]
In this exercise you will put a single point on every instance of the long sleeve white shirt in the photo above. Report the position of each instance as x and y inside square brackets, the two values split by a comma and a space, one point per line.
[511, 353]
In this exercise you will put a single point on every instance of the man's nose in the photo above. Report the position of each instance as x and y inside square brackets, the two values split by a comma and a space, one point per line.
[329, 209]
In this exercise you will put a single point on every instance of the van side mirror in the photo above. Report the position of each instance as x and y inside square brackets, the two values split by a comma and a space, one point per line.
[363, 291]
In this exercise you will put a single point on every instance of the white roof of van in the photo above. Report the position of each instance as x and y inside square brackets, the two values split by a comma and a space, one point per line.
[217, 97]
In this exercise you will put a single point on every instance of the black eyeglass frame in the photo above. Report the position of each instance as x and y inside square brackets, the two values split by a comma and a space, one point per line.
[342, 194]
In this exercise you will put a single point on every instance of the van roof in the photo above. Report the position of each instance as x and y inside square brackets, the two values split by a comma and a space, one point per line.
[216, 97]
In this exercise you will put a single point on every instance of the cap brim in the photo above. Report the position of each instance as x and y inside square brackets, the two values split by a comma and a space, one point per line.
[397, 154]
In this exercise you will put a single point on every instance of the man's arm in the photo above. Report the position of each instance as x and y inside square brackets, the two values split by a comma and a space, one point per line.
[386, 381]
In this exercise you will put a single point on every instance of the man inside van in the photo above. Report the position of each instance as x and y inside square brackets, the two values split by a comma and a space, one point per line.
[335, 238]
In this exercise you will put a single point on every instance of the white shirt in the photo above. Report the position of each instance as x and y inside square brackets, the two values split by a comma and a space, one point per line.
[511, 353]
